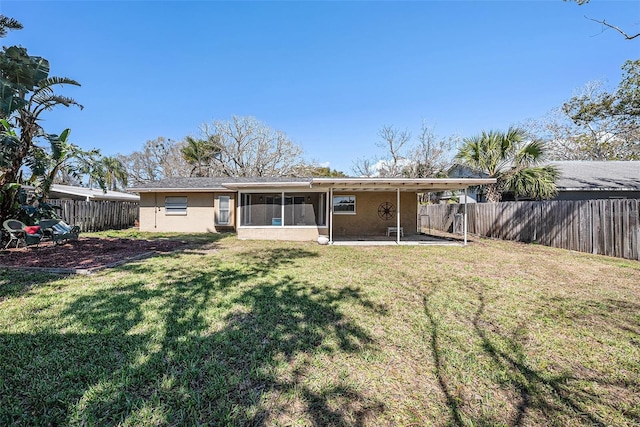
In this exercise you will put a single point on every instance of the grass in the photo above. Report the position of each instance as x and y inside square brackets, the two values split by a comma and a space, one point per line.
[268, 333]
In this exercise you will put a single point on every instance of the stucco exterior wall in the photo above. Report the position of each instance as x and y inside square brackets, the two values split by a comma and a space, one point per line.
[366, 221]
[202, 209]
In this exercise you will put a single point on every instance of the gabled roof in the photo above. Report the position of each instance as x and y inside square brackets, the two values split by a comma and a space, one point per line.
[343, 184]
[587, 175]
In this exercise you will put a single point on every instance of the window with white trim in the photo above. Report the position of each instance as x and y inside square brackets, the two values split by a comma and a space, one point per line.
[344, 205]
[224, 208]
[175, 205]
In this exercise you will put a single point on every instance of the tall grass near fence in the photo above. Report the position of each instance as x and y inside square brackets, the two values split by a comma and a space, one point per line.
[605, 227]
[97, 215]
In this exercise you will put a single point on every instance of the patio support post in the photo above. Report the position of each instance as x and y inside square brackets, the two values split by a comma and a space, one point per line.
[398, 217]
[239, 208]
[465, 216]
[282, 209]
[330, 216]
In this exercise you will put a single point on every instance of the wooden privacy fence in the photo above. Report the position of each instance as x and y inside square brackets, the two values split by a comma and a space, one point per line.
[605, 227]
[97, 215]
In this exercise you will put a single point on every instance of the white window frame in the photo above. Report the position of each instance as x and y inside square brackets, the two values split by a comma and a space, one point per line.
[175, 205]
[343, 196]
[220, 210]
[246, 201]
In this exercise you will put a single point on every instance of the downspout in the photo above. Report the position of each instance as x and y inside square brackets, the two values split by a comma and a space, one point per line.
[465, 216]
[237, 220]
[282, 203]
[398, 217]
[330, 215]
[155, 210]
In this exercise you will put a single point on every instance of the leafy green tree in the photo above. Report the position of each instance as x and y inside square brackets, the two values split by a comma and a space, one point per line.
[325, 171]
[607, 124]
[27, 91]
[64, 159]
[514, 162]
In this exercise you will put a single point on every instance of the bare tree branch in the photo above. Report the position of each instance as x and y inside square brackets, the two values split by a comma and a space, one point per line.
[606, 24]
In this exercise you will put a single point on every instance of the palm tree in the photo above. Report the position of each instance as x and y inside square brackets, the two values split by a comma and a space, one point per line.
[514, 162]
[114, 173]
[201, 153]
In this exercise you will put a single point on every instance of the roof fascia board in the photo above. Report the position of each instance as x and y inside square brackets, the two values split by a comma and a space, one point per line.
[181, 190]
[275, 185]
[73, 193]
[408, 184]
[415, 184]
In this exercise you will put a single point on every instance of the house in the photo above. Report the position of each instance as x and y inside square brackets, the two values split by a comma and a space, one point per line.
[587, 179]
[580, 180]
[289, 208]
[59, 191]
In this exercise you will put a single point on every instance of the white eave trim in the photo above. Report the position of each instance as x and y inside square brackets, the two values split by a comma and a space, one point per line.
[180, 190]
[274, 185]
[348, 184]
[412, 184]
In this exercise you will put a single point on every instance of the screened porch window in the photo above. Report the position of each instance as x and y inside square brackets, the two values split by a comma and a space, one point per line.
[283, 209]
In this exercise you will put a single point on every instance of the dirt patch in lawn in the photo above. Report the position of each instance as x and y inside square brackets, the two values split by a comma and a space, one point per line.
[86, 253]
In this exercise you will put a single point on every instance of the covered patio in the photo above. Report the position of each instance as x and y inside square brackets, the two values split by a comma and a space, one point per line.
[412, 239]
[390, 209]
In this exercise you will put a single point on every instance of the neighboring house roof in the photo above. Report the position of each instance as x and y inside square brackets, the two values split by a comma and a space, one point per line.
[59, 191]
[463, 171]
[344, 184]
[586, 175]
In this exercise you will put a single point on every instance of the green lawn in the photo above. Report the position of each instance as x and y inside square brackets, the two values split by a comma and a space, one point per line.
[267, 333]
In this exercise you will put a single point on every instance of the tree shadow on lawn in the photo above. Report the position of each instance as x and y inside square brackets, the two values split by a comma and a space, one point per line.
[14, 283]
[540, 394]
[202, 347]
[95, 251]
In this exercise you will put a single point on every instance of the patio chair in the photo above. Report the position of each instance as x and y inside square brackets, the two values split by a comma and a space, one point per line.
[20, 233]
[59, 231]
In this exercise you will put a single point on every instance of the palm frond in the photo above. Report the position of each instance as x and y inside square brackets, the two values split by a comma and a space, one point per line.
[534, 182]
[53, 81]
[41, 103]
[7, 23]
[530, 154]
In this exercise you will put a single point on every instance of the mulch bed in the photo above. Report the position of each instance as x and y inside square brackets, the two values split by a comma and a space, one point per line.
[86, 253]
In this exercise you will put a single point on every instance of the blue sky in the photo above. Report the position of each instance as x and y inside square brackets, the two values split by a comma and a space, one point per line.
[328, 74]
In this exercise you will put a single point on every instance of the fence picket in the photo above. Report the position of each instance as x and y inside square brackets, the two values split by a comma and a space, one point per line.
[607, 227]
[97, 215]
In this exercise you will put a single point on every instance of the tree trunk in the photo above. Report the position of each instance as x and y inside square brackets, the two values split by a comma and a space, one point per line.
[493, 193]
